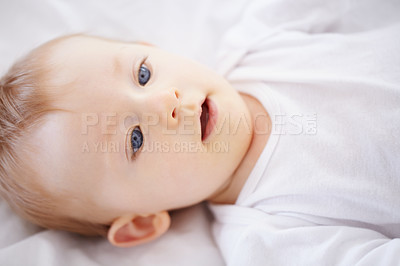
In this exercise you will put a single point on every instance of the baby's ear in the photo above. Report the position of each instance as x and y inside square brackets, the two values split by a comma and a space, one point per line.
[132, 230]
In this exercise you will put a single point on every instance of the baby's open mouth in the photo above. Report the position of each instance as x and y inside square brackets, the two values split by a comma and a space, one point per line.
[204, 118]
[208, 118]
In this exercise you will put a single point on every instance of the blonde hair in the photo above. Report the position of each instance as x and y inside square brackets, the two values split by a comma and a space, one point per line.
[23, 104]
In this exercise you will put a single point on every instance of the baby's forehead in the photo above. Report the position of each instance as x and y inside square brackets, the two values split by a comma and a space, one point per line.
[49, 143]
[82, 44]
[73, 51]
[77, 70]
[76, 40]
[58, 151]
[65, 49]
[65, 46]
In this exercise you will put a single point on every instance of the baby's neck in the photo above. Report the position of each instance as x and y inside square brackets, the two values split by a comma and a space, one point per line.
[261, 132]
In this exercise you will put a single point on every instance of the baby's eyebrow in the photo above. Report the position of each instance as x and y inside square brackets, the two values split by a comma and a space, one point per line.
[116, 65]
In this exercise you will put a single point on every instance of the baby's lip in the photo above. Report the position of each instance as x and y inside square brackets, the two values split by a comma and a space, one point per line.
[208, 118]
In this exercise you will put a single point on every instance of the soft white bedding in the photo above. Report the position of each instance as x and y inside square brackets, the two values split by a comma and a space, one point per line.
[189, 27]
[188, 242]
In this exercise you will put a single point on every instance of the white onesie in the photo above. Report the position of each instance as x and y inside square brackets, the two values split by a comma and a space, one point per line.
[326, 188]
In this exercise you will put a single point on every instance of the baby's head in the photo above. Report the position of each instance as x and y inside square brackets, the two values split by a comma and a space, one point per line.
[101, 137]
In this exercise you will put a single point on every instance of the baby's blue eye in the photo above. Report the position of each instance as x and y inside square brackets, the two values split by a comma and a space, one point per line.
[136, 139]
[143, 75]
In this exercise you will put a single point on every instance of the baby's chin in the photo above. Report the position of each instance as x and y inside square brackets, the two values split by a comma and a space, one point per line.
[236, 133]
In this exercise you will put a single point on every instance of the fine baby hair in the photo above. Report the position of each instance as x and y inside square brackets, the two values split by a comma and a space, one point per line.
[24, 100]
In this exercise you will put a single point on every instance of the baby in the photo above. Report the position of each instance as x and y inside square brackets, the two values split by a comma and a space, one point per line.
[105, 137]
[102, 137]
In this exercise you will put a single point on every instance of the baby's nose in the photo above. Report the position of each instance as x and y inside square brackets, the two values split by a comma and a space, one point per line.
[165, 103]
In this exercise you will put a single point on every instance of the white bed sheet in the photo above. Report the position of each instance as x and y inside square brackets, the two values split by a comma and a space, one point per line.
[189, 27]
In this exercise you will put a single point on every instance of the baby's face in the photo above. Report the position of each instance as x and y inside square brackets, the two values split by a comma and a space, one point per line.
[135, 137]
